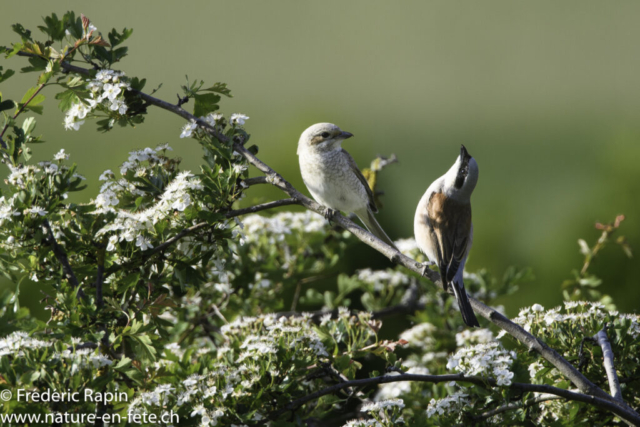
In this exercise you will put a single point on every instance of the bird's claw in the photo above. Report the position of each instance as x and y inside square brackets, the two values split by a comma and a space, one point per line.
[329, 213]
[425, 267]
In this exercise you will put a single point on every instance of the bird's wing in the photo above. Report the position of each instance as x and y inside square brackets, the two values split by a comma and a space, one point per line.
[450, 224]
[363, 180]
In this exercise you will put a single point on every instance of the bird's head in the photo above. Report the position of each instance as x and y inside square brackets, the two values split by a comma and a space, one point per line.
[462, 178]
[322, 137]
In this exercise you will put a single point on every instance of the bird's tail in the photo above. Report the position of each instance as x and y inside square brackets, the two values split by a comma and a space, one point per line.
[372, 225]
[468, 316]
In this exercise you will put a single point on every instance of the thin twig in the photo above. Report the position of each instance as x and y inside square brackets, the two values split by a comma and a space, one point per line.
[262, 207]
[517, 405]
[257, 180]
[100, 278]
[18, 113]
[607, 353]
[61, 256]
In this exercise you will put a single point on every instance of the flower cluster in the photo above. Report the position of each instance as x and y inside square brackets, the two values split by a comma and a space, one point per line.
[475, 336]
[105, 90]
[139, 226]
[213, 119]
[277, 227]
[410, 248]
[574, 314]
[382, 279]
[400, 388]
[453, 404]
[488, 360]
[420, 336]
[17, 342]
[129, 226]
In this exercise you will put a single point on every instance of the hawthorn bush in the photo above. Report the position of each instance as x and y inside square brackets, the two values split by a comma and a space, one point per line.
[169, 298]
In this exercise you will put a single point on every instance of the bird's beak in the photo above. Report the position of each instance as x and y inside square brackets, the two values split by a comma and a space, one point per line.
[346, 135]
[464, 154]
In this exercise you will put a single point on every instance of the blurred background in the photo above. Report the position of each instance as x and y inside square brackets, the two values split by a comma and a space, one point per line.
[545, 96]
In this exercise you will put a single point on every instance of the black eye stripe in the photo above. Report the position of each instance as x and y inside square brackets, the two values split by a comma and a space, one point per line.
[325, 134]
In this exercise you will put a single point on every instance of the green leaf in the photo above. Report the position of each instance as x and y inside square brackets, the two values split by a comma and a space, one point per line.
[220, 88]
[55, 27]
[205, 103]
[67, 99]
[116, 38]
[28, 125]
[37, 64]
[32, 102]
[4, 76]
[7, 105]
[22, 32]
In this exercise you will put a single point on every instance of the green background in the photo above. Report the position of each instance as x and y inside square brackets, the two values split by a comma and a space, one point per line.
[545, 95]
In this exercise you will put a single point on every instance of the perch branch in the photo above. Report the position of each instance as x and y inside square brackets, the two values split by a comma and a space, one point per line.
[607, 353]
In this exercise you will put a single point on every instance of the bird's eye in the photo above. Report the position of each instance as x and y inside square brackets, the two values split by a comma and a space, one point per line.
[325, 134]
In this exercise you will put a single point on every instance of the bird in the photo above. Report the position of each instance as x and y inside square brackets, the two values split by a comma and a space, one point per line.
[443, 227]
[333, 178]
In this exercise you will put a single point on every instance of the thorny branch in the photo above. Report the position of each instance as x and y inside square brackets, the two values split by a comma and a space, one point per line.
[592, 393]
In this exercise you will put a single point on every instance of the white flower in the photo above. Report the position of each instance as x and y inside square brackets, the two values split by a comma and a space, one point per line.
[113, 240]
[143, 243]
[111, 91]
[36, 210]
[106, 175]
[70, 123]
[188, 129]
[119, 105]
[537, 307]
[381, 405]
[164, 147]
[61, 155]
[213, 118]
[198, 410]
[450, 404]
[238, 119]
[238, 169]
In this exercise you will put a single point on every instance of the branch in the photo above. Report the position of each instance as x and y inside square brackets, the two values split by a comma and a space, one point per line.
[607, 353]
[262, 207]
[257, 180]
[100, 278]
[606, 404]
[61, 255]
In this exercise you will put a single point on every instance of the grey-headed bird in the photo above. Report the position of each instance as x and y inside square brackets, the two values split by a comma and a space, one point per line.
[443, 227]
[333, 177]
